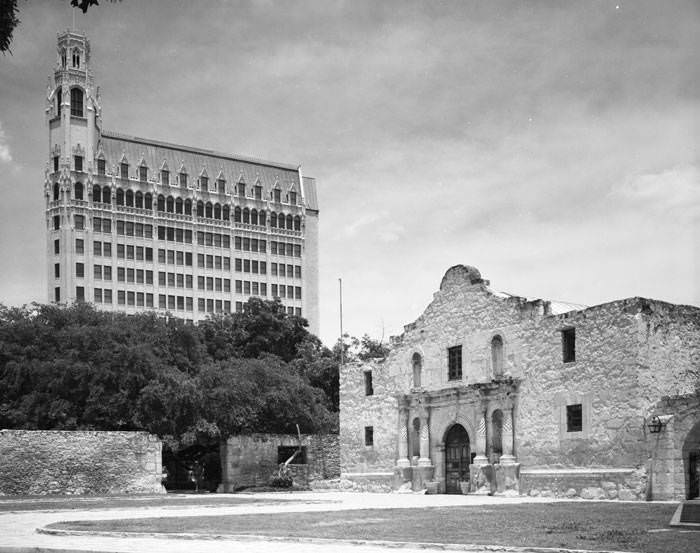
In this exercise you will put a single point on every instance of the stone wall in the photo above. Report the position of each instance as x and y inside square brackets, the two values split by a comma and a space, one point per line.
[629, 354]
[76, 463]
[251, 460]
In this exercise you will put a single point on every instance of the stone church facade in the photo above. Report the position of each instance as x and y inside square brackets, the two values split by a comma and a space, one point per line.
[488, 392]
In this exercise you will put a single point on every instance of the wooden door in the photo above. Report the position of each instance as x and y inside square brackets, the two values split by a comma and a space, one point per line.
[457, 459]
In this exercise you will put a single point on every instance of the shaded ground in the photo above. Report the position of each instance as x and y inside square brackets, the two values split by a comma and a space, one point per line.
[43, 503]
[617, 526]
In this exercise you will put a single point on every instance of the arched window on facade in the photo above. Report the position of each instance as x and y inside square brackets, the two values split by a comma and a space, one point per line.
[188, 207]
[246, 215]
[106, 195]
[59, 100]
[236, 214]
[161, 203]
[208, 210]
[148, 201]
[496, 435]
[253, 216]
[217, 211]
[78, 190]
[273, 220]
[497, 355]
[262, 218]
[96, 194]
[76, 58]
[290, 222]
[129, 198]
[138, 200]
[297, 223]
[226, 213]
[63, 57]
[120, 196]
[170, 204]
[56, 191]
[178, 205]
[417, 361]
[414, 438]
[76, 102]
[200, 209]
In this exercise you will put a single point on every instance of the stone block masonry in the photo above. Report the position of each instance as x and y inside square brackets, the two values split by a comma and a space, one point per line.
[52, 462]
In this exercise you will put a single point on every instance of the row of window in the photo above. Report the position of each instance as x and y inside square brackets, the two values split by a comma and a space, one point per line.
[165, 301]
[171, 204]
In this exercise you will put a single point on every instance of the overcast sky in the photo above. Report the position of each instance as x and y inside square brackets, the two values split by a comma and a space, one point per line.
[553, 145]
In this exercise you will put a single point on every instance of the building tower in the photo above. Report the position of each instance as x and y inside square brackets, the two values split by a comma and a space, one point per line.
[136, 225]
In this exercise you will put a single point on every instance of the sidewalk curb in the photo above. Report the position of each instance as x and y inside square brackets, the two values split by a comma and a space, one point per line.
[322, 541]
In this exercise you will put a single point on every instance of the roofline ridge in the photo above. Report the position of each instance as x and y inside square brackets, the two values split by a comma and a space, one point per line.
[202, 151]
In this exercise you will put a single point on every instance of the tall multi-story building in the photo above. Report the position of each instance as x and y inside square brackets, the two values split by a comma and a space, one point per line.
[136, 225]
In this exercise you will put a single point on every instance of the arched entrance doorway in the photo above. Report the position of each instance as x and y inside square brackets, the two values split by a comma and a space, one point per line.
[691, 462]
[457, 458]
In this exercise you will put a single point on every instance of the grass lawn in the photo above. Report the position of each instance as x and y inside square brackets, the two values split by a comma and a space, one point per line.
[577, 525]
[43, 503]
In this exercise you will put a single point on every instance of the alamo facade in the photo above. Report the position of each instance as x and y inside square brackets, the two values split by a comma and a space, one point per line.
[487, 392]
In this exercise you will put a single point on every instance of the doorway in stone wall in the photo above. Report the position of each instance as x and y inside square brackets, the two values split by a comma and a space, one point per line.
[457, 458]
[691, 461]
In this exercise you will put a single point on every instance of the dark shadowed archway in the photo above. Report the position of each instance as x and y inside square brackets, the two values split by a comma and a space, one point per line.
[457, 458]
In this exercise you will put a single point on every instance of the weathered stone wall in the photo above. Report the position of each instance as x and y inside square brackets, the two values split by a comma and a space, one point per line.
[251, 460]
[76, 463]
[359, 411]
[629, 354]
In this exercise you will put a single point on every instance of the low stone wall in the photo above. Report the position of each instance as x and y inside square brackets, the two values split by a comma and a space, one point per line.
[46, 462]
[626, 484]
[251, 460]
[358, 482]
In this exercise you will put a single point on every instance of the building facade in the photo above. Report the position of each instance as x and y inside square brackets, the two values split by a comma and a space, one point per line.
[139, 225]
[488, 392]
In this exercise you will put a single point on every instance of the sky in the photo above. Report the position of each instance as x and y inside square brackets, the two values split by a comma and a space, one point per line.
[552, 145]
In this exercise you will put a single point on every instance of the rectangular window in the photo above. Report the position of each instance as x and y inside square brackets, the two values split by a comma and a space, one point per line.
[80, 270]
[139, 253]
[97, 272]
[130, 298]
[254, 245]
[237, 242]
[297, 271]
[239, 287]
[124, 170]
[210, 283]
[246, 287]
[293, 198]
[208, 239]
[149, 300]
[130, 252]
[165, 178]
[188, 281]
[120, 228]
[210, 306]
[171, 257]
[188, 236]
[171, 303]
[180, 280]
[143, 174]
[263, 289]
[568, 345]
[79, 222]
[217, 262]
[454, 361]
[188, 259]
[56, 222]
[100, 166]
[107, 272]
[226, 241]
[96, 224]
[282, 271]
[183, 179]
[297, 292]
[139, 276]
[200, 305]
[246, 244]
[227, 285]
[273, 269]
[79, 293]
[148, 231]
[162, 302]
[120, 251]
[179, 258]
[574, 418]
[171, 280]
[227, 263]
[263, 246]
[239, 307]
[210, 261]
[189, 303]
[297, 250]
[121, 274]
[140, 299]
[369, 435]
[273, 248]
[78, 162]
[57, 270]
[106, 226]
[57, 246]
[273, 291]
[107, 249]
[57, 294]
[149, 277]
[369, 389]
[246, 265]
[97, 248]
[107, 296]
[55, 167]
[129, 228]
[98, 295]
[255, 289]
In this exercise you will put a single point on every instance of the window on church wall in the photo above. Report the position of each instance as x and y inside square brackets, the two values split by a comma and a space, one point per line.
[417, 362]
[78, 163]
[277, 195]
[240, 188]
[76, 102]
[96, 194]
[59, 101]
[78, 190]
[369, 436]
[124, 170]
[76, 58]
[63, 57]
[55, 163]
[497, 356]
[101, 167]
[574, 418]
[56, 191]
[568, 344]
[258, 192]
[369, 388]
[143, 173]
[454, 363]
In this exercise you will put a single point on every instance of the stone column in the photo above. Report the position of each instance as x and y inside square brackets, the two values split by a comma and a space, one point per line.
[507, 438]
[424, 460]
[440, 462]
[403, 460]
[480, 458]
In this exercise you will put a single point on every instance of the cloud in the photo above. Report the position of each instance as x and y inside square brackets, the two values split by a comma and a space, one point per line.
[5, 156]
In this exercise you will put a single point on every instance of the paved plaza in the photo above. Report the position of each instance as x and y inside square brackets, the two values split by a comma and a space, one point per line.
[18, 529]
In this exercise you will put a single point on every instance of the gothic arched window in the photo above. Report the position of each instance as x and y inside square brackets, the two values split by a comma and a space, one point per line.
[59, 100]
[161, 203]
[148, 201]
[138, 200]
[273, 219]
[56, 191]
[96, 193]
[262, 218]
[120, 196]
[106, 195]
[208, 210]
[188, 207]
[290, 222]
[236, 214]
[178, 205]
[497, 355]
[129, 198]
[417, 362]
[226, 213]
[253, 216]
[246, 215]
[200, 209]
[76, 102]
[170, 204]
[78, 190]
[297, 223]
[217, 211]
